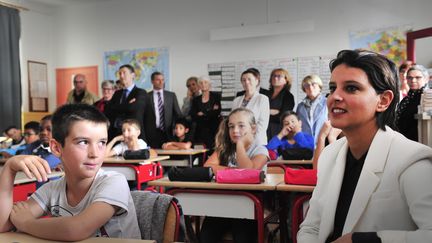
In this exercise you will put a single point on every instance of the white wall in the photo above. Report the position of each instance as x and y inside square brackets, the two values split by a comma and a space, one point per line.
[79, 35]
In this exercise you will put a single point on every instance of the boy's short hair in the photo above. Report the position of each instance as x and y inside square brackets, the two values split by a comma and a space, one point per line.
[288, 113]
[65, 116]
[183, 122]
[33, 125]
[9, 128]
[132, 122]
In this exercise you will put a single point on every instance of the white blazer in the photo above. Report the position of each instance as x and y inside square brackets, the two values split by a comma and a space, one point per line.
[393, 196]
[259, 104]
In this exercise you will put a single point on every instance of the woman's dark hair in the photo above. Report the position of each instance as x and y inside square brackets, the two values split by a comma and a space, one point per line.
[382, 75]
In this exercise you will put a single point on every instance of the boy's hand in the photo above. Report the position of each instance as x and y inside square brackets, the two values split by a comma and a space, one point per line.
[285, 131]
[119, 138]
[31, 165]
[20, 215]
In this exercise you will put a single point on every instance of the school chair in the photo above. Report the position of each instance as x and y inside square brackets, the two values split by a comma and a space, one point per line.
[299, 210]
[159, 216]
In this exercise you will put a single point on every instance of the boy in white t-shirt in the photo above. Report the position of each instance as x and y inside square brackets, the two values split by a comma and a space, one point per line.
[87, 201]
[128, 140]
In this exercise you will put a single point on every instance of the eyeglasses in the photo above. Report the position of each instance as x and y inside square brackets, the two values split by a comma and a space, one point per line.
[28, 134]
[107, 89]
[412, 78]
[78, 81]
[307, 85]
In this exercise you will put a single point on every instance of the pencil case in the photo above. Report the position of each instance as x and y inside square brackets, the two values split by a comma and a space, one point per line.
[240, 176]
[300, 176]
[190, 174]
[136, 154]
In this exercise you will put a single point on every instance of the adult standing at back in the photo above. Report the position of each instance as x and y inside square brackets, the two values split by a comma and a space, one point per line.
[417, 77]
[161, 113]
[312, 110]
[126, 103]
[205, 112]
[108, 89]
[192, 92]
[256, 102]
[80, 94]
[281, 99]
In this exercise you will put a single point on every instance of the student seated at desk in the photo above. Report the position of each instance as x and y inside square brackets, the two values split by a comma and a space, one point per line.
[128, 140]
[87, 201]
[291, 142]
[235, 147]
[182, 139]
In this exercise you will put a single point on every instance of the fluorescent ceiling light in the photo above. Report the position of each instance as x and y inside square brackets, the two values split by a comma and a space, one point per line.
[250, 31]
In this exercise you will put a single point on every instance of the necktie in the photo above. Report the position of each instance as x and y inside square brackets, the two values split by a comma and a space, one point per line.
[161, 112]
[124, 97]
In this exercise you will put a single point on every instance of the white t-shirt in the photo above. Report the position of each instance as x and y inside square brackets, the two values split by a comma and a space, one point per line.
[252, 151]
[108, 186]
[120, 148]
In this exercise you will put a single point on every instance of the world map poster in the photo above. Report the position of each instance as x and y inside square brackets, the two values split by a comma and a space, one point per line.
[390, 42]
[145, 61]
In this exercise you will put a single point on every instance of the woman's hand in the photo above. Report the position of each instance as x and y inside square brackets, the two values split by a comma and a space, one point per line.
[344, 239]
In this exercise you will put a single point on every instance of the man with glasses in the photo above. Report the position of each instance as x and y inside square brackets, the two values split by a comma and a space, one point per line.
[80, 94]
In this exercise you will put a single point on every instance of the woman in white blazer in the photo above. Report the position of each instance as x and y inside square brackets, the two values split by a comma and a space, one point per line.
[374, 185]
[256, 102]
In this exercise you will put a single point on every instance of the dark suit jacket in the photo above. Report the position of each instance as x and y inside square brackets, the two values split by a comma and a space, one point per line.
[171, 113]
[134, 110]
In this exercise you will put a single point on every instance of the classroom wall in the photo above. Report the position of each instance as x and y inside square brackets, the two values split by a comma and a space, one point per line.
[78, 35]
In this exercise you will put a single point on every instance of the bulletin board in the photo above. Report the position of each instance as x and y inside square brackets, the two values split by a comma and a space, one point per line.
[38, 86]
[225, 77]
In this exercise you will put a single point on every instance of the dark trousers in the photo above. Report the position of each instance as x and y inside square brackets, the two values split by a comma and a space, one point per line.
[243, 230]
[156, 138]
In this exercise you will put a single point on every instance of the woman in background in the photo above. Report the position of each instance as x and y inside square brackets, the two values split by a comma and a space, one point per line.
[404, 86]
[417, 77]
[256, 102]
[205, 113]
[108, 88]
[281, 99]
[312, 110]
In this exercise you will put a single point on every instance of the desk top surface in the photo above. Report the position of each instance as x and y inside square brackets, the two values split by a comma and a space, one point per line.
[180, 151]
[273, 182]
[291, 162]
[121, 160]
[293, 188]
[13, 237]
[270, 184]
[21, 178]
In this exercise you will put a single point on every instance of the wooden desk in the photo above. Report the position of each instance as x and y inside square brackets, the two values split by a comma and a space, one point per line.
[185, 152]
[222, 200]
[136, 170]
[291, 162]
[14, 237]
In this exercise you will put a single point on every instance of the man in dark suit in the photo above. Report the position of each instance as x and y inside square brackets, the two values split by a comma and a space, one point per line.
[126, 103]
[161, 113]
